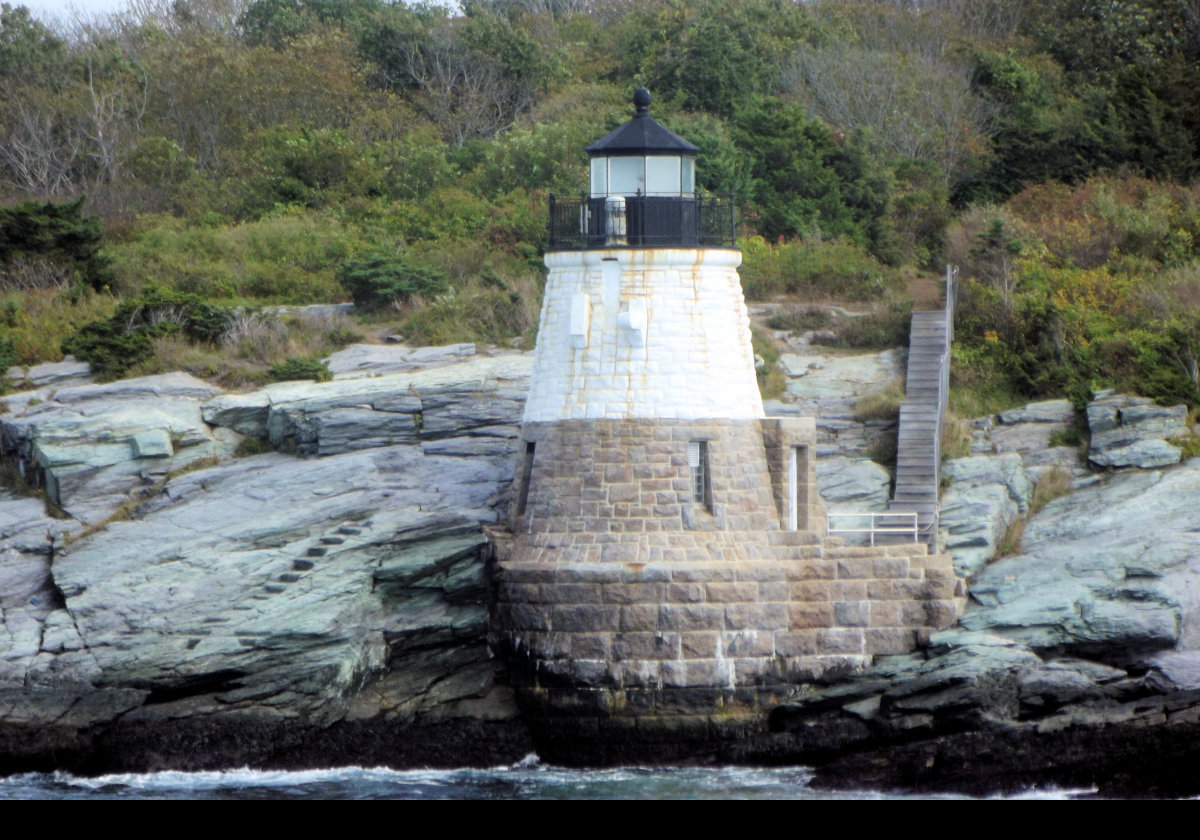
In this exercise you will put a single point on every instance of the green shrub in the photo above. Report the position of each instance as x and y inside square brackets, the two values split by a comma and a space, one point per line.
[889, 327]
[813, 270]
[290, 256]
[883, 404]
[771, 381]
[799, 320]
[8, 352]
[380, 279]
[249, 446]
[294, 369]
[57, 234]
[127, 338]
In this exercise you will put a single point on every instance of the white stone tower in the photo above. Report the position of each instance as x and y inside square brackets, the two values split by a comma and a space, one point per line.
[643, 313]
[665, 535]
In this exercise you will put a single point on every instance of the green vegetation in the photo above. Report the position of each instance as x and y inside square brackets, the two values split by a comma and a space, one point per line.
[1069, 289]
[294, 369]
[269, 152]
[113, 346]
[883, 404]
[771, 381]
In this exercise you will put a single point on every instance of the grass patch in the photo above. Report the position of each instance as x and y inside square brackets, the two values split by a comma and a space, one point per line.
[1010, 543]
[799, 320]
[973, 398]
[252, 346]
[38, 321]
[956, 435]
[1189, 445]
[883, 329]
[883, 404]
[1066, 437]
[249, 446]
[14, 480]
[491, 312]
[883, 451]
[771, 380]
[205, 463]
[1053, 485]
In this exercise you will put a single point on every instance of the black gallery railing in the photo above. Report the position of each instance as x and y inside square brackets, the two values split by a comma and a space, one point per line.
[642, 221]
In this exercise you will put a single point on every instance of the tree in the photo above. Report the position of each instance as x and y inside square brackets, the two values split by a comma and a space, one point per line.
[57, 235]
[807, 183]
[913, 105]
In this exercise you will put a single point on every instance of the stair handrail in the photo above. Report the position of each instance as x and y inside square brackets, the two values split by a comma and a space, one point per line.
[943, 395]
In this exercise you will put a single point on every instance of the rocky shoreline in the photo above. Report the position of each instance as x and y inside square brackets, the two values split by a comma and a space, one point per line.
[165, 603]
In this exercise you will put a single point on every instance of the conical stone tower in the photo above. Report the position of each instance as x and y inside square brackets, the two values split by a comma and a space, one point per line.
[666, 536]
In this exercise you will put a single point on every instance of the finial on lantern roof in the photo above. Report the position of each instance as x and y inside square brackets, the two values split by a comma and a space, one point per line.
[641, 100]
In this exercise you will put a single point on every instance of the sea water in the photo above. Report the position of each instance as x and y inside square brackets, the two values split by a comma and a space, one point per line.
[530, 779]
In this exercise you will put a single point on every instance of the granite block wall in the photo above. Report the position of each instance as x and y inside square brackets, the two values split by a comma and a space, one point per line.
[614, 576]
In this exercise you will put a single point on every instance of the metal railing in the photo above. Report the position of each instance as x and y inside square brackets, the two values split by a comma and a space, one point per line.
[642, 221]
[943, 394]
[903, 524]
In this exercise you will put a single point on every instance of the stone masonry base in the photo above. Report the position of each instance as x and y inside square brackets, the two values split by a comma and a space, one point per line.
[814, 609]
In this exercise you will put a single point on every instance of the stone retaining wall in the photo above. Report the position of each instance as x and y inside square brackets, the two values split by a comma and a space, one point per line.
[811, 608]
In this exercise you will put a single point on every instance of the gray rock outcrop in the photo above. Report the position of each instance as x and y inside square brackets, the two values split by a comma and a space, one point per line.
[274, 607]
[827, 386]
[92, 446]
[985, 496]
[1077, 664]
[70, 371]
[1132, 431]
[852, 484]
[481, 399]
[360, 360]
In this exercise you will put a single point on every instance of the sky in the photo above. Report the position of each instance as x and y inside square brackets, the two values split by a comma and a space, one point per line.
[57, 11]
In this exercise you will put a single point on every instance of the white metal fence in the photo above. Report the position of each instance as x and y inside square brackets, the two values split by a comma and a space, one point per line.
[873, 525]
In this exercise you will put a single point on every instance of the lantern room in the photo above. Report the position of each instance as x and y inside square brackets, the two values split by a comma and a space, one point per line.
[642, 193]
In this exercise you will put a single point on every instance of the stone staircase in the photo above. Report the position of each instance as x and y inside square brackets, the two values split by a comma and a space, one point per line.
[919, 441]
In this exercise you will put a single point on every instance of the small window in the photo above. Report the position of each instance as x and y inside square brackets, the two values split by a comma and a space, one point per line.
[526, 473]
[698, 465]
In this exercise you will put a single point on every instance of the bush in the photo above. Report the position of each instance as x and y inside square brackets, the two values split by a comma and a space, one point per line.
[56, 238]
[887, 328]
[127, 338]
[382, 279]
[287, 257]
[295, 369]
[799, 320]
[8, 353]
[836, 270]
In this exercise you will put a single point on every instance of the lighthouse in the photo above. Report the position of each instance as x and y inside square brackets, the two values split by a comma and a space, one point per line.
[666, 546]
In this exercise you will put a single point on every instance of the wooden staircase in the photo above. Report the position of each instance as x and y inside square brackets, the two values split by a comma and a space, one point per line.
[919, 440]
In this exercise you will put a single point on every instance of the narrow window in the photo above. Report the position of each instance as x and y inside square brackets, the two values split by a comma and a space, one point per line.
[526, 472]
[793, 488]
[698, 464]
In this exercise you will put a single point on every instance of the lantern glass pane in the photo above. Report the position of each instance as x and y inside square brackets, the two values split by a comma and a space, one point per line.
[662, 175]
[599, 176]
[626, 175]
